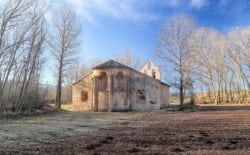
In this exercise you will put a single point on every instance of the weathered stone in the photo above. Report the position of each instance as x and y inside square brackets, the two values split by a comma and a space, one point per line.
[115, 87]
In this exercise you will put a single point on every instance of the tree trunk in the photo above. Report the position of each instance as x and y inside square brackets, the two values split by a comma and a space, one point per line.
[59, 88]
[181, 94]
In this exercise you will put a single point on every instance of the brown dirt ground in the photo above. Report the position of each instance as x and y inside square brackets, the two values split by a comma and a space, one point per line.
[207, 132]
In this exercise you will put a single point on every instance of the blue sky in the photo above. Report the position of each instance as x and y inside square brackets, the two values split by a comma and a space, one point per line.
[111, 27]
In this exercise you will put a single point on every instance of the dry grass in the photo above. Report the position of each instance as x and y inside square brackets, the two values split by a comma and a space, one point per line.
[207, 132]
[29, 131]
[68, 107]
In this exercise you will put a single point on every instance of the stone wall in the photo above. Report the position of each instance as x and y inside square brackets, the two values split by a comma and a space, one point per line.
[152, 90]
[77, 90]
[126, 89]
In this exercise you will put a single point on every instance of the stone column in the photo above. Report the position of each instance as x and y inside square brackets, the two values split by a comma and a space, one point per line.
[95, 101]
[128, 95]
[111, 92]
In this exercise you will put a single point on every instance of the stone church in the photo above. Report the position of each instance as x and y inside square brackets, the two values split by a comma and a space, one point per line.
[113, 86]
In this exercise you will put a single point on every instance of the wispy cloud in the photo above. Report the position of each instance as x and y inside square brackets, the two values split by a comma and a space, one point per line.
[136, 10]
[122, 9]
[173, 2]
[223, 2]
[198, 3]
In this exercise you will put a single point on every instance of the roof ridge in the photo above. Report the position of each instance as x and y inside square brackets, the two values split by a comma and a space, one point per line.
[111, 63]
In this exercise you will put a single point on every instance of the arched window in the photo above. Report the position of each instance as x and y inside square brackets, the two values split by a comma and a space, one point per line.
[153, 73]
[84, 96]
[141, 95]
[119, 81]
[103, 81]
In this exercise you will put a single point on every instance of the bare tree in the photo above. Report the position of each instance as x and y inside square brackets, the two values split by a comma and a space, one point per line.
[129, 59]
[239, 40]
[173, 50]
[209, 56]
[238, 51]
[70, 77]
[222, 63]
[64, 45]
[22, 36]
[75, 74]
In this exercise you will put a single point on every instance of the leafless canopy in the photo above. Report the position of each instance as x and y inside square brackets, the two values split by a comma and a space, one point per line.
[22, 37]
[174, 51]
[64, 44]
[216, 64]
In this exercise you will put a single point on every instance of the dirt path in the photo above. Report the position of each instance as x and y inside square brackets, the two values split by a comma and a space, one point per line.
[220, 132]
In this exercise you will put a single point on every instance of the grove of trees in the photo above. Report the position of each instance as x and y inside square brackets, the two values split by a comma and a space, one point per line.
[26, 38]
[214, 64]
[129, 59]
[22, 43]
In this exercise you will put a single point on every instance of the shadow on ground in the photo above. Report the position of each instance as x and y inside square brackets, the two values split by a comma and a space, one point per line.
[223, 107]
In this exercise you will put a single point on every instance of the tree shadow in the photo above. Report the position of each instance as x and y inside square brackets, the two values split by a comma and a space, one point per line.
[223, 107]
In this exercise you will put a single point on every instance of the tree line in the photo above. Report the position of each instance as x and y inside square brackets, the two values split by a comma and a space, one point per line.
[29, 34]
[26, 39]
[197, 59]
[204, 60]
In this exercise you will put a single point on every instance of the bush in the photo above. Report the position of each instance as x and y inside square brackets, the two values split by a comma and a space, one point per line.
[163, 106]
[188, 107]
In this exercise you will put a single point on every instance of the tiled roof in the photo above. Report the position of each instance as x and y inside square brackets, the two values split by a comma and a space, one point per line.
[109, 64]
[115, 64]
